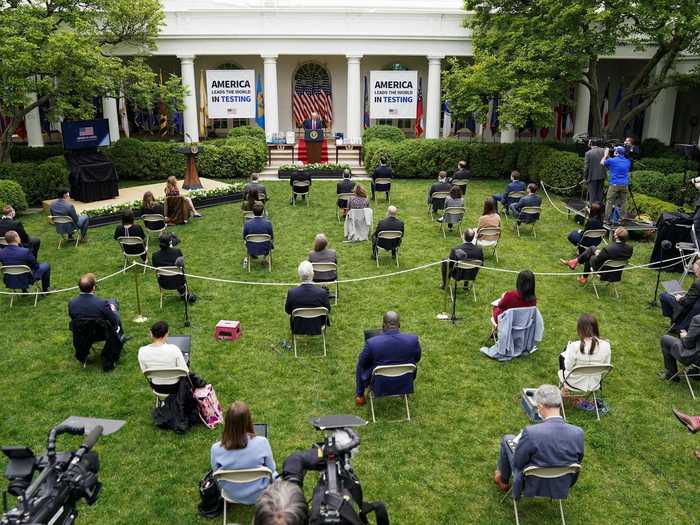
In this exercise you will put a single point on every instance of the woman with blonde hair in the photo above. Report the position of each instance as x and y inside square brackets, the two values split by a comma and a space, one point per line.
[171, 190]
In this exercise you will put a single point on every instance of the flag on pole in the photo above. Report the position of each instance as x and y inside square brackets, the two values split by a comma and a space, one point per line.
[163, 110]
[177, 121]
[470, 124]
[569, 125]
[604, 107]
[203, 121]
[365, 106]
[260, 103]
[419, 109]
[558, 121]
[446, 119]
[493, 122]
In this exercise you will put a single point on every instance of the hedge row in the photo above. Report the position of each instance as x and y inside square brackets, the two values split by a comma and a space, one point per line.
[11, 193]
[23, 153]
[146, 160]
[39, 180]
[661, 186]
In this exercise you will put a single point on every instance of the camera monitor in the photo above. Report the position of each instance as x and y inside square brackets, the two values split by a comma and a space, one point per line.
[85, 134]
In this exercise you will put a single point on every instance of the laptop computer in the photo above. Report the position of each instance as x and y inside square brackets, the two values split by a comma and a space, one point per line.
[183, 342]
[673, 287]
[260, 429]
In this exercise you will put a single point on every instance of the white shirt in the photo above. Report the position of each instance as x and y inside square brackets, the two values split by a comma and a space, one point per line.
[574, 357]
[162, 356]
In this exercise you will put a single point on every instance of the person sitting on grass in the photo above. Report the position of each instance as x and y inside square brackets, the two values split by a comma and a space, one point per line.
[465, 251]
[551, 443]
[240, 448]
[169, 256]
[13, 255]
[129, 229]
[593, 222]
[322, 254]
[594, 259]
[522, 296]
[258, 225]
[514, 185]
[172, 190]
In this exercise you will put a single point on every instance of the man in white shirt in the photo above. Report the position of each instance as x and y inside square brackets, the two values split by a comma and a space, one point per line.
[160, 354]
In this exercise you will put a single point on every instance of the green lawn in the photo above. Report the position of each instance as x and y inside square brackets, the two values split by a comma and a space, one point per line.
[434, 470]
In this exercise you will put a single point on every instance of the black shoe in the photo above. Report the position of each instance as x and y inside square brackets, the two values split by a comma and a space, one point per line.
[107, 369]
[666, 376]
[192, 298]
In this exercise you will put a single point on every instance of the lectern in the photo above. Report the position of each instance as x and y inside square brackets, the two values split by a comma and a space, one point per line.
[313, 139]
[191, 178]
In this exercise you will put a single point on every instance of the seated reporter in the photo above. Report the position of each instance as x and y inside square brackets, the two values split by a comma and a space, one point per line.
[251, 198]
[440, 186]
[322, 254]
[9, 222]
[149, 206]
[14, 254]
[61, 206]
[391, 347]
[344, 186]
[172, 190]
[383, 171]
[453, 200]
[462, 172]
[240, 448]
[258, 224]
[489, 216]
[593, 222]
[129, 229]
[256, 185]
[282, 503]
[168, 255]
[594, 259]
[551, 443]
[390, 223]
[685, 349]
[590, 349]
[465, 251]
[522, 296]
[681, 309]
[306, 295]
[514, 185]
[359, 199]
[300, 176]
[531, 199]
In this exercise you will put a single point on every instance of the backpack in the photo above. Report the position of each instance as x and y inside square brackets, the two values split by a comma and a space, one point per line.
[210, 502]
[208, 406]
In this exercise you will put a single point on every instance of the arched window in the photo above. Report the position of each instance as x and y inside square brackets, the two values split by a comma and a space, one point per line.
[312, 92]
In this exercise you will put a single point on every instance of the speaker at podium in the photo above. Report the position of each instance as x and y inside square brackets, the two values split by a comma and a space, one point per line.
[313, 137]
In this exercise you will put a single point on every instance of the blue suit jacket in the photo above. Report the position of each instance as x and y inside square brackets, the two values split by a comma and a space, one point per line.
[258, 225]
[514, 185]
[306, 296]
[63, 207]
[89, 306]
[16, 255]
[389, 348]
[552, 443]
[528, 200]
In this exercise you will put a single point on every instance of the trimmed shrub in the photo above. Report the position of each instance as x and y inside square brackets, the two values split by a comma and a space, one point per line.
[146, 160]
[665, 165]
[492, 160]
[22, 153]
[38, 180]
[382, 132]
[247, 131]
[376, 149]
[560, 170]
[11, 193]
[238, 158]
[665, 187]
[424, 158]
[654, 148]
[652, 206]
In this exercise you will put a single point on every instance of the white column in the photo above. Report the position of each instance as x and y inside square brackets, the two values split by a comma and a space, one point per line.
[32, 123]
[109, 110]
[583, 109]
[354, 101]
[432, 111]
[189, 115]
[272, 124]
[507, 134]
[658, 118]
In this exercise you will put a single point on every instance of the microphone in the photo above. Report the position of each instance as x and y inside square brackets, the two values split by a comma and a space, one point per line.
[187, 136]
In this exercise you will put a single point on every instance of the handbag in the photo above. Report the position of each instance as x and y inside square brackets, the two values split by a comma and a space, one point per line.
[210, 502]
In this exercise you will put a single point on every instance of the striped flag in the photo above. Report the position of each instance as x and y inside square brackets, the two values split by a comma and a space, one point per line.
[260, 104]
[604, 107]
[569, 125]
[312, 92]
[163, 111]
[365, 106]
[494, 122]
[419, 109]
[446, 120]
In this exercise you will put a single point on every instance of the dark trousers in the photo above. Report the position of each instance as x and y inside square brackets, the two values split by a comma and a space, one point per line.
[670, 349]
[43, 272]
[585, 259]
[575, 237]
[505, 458]
[34, 244]
[378, 189]
[595, 191]
[668, 307]
[376, 246]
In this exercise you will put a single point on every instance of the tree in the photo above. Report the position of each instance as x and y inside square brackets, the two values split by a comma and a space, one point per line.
[531, 53]
[63, 51]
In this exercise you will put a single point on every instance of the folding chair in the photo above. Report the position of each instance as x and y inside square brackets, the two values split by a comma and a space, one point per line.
[170, 271]
[610, 264]
[154, 223]
[689, 251]
[57, 220]
[533, 212]
[440, 197]
[138, 244]
[342, 197]
[489, 231]
[297, 187]
[452, 211]
[87, 333]
[590, 235]
[467, 264]
[688, 371]
[386, 183]
[3, 242]
[172, 374]
[260, 238]
[599, 371]
[23, 276]
[326, 267]
[247, 215]
[547, 473]
[461, 184]
[389, 235]
[391, 371]
[310, 313]
[512, 198]
[247, 475]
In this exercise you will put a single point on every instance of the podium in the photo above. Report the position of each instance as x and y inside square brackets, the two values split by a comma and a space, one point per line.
[313, 139]
[192, 181]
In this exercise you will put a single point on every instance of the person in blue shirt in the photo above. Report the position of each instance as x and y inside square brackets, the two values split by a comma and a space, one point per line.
[515, 185]
[618, 181]
[258, 224]
[14, 255]
[240, 448]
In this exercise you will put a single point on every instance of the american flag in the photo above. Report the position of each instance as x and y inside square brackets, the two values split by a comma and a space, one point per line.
[312, 92]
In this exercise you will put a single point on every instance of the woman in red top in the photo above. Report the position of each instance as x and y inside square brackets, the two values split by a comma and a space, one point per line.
[523, 295]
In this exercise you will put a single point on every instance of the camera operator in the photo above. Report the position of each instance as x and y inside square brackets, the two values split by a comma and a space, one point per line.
[593, 171]
[632, 152]
[618, 181]
[170, 256]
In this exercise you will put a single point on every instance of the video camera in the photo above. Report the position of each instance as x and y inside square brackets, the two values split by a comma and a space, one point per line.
[64, 478]
[337, 497]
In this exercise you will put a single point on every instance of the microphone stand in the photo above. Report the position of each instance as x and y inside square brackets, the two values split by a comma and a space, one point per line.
[665, 246]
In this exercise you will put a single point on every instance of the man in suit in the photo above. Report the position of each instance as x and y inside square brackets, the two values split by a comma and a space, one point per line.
[254, 184]
[313, 146]
[685, 349]
[440, 186]
[168, 255]
[298, 176]
[306, 295]
[531, 199]
[9, 222]
[344, 186]
[87, 306]
[462, 172]
[314, 122]
[383, 171]
[258, 224]
[683, 308]
[14, 254]
[61, 206]
[551, 443]
[391, 347]
[465, 251]
[515, 184]
[594, 172]
[390, 223]
[592, 258]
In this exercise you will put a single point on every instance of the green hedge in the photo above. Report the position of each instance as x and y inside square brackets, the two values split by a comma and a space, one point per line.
[376, 149]
[382, 132]
[22, 153]
[248, 131]
[652, 206]
[240, 157]
[661, 186]
[11, 193]
[146, 160]
[665, 165]
[39, 180]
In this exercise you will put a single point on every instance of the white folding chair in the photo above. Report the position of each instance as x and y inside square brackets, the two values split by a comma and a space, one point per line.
[689, 251]
[380, 181]
[3, 242]
[326, 267]
[63, 219]
[136, 243]
[169, 271]
[388, 235]
[535, 212]
[461, 184]
[584, 371]
[547, 473]
[301, 187]
[467, 264]
[247, 215]
[590, 235]
[610, 264]
[490, 232]
[260, 238]
[512, 198]
[241, 476]
[154, 223]
[454, 212]
[687, 371]
[439, 196]
[391, 371]
[342, 197]
[310, 313]
[156, 376]
[17, 270]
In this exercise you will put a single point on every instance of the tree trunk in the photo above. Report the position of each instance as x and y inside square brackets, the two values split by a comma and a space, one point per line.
[6, 141]
[596, 120]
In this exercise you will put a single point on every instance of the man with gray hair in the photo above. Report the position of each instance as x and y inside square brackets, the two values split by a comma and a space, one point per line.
[390, 223]
[282, 503]
[306, 295]
[551, 443]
